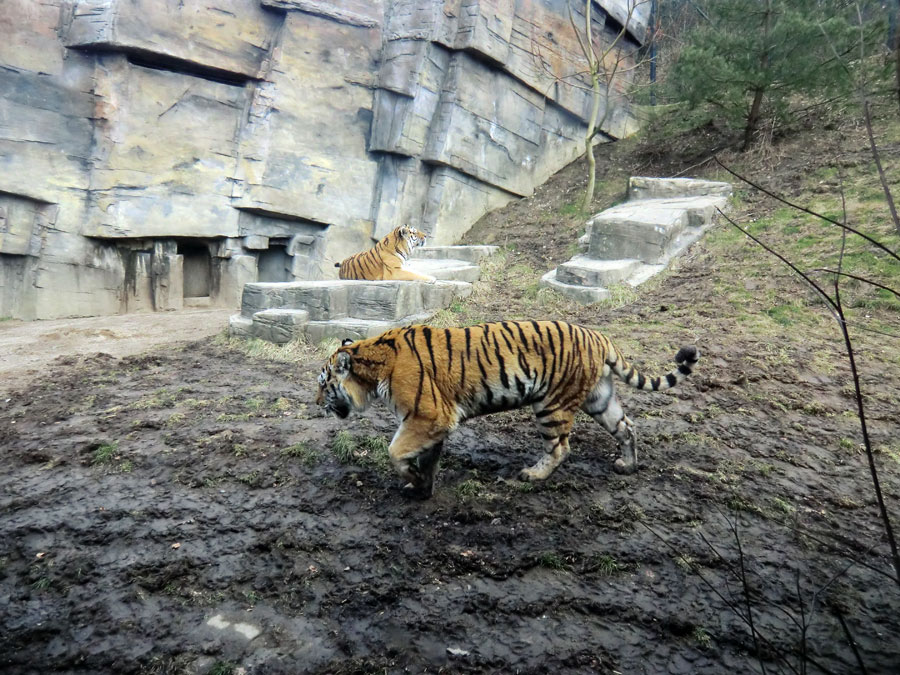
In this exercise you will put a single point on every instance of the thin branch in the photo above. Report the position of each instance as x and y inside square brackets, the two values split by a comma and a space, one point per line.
[803, 626]
[831, 305]
[851, 641]
[715, 590]
[749, 182]
[746, 588]
[859, 562]
[858, 278]
[867, 117]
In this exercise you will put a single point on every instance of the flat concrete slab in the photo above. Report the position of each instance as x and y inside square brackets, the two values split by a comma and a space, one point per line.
[445, 268]
[644, 187]
[586, 295]
[583, 270]
[470, 254]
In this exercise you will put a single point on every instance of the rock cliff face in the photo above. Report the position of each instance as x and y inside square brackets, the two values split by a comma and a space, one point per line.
[162, 153]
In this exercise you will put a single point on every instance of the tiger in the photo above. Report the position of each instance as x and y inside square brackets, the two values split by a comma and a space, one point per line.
[384, 261]
[434, 378]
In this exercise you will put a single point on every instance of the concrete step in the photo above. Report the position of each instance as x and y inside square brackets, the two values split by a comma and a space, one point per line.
[644, 229]
[357, 329]
[583, 294]
[470, 254]
[279, 325]
[284, 325]
[635, 240]
[281, 312]
[643, 187]
[449, 269]
[329, 300]
[586, 271]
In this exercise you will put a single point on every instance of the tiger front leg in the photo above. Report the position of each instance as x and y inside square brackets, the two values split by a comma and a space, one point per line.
[406, 275]
[415, 453]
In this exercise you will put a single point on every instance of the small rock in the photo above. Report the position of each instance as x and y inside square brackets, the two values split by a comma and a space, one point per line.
[456, 651]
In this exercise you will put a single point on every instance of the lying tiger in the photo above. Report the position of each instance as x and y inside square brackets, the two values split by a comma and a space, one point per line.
[434, 378]
[384, 261]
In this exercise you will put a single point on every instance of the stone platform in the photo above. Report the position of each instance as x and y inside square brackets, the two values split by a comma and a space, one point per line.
[631, 242]
[316, 310]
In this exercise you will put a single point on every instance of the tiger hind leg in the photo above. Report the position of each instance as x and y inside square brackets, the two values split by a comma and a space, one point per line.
[604, 406]
[555, 428]
[415, 452]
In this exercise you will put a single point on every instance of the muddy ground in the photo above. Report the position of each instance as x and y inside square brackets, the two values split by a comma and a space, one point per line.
[190, 510]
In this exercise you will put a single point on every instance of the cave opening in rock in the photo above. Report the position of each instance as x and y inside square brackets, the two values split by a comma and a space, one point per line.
[274, 262]
[197, 269]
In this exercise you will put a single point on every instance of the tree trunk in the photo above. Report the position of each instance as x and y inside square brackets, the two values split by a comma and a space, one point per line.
[589, 143]
[897, 59]
[760, 90]
[752, 119]
[594, 67]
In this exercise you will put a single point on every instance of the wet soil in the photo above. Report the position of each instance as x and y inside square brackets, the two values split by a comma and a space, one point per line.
[190, 510]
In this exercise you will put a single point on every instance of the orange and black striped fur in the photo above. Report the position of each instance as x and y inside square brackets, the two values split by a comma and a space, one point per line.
[384, 261]
[434, 378]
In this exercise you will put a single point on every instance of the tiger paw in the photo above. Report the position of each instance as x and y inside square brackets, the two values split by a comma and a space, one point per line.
[621, 467]
[529, 475]
[411, 491]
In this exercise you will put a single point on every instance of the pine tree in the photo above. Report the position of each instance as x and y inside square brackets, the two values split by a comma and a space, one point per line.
[752, 56]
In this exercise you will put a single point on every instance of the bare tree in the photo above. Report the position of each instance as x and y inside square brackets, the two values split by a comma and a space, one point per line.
[603, 67]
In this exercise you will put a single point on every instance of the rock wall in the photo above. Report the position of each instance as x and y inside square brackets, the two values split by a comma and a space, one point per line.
[156, 154]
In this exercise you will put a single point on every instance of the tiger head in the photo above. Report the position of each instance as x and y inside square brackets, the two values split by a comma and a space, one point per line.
[339, 392]
[411, 236]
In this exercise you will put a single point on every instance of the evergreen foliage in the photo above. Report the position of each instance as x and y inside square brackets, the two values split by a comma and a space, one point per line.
[752, 58]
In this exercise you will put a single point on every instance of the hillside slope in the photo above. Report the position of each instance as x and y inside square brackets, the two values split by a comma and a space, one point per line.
[151, 505]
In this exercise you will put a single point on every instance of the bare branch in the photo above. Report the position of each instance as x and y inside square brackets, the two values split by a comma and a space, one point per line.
[805, 210]
[858, 278]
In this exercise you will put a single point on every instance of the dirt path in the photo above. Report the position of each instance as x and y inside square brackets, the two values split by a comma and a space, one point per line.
[28, 346]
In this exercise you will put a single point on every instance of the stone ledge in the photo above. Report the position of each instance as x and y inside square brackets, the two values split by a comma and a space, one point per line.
[586, 295]
[338, 309]
[585, 271]
[445, 269]
[643, 187]
[471, 254]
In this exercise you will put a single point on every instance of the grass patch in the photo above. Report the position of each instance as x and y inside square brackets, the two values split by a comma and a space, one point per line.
[254, 404]
[161, 398]
[344, 447]
[308, 456]
[105, 453]
[785, 507]
[222, 668]
[252, 478]
[231, 417]
[605, 565]
[701, 637]
[295, 351]
[374, 452]
[469, 488]
[550, 560]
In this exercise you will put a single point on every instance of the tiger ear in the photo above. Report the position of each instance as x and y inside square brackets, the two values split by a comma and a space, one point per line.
[404, 230]
[342, 363]
[346, 341]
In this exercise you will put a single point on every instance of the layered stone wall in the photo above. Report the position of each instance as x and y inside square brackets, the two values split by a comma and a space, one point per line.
[162, 153]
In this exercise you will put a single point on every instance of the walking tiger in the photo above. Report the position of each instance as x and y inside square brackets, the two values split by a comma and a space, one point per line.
[434, 378]
[384, 261]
